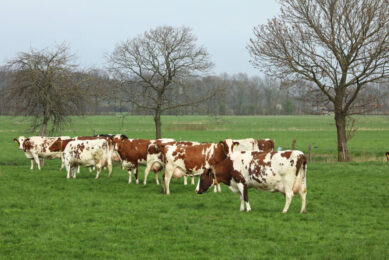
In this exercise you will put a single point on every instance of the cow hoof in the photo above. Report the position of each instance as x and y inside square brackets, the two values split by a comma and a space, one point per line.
[303, 211]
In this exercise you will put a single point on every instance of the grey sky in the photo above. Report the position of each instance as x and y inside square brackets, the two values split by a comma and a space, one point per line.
[93, 28]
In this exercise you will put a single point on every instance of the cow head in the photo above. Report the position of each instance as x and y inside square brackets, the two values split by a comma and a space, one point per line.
[116, 157]
[206, 181]
[20, 141]
[266, 145]
[229, 145]
[118, 141]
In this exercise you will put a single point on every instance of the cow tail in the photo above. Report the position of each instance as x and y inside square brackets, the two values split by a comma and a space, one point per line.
[301, 168]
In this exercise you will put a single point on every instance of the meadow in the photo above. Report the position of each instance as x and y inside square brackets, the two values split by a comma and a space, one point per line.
[44, 216]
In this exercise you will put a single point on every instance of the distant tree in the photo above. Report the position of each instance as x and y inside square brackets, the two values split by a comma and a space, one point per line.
[339, 45]
[153, 68]
[43, 86]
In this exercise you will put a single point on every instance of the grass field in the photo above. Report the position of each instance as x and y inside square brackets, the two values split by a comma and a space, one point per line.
[44, 216]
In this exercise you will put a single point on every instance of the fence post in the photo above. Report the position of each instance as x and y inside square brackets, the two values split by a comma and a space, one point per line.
[293, 144]
[309, 153]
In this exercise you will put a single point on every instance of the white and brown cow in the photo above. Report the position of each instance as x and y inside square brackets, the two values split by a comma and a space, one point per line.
[155, 161]
[183, 160]
[283, 171]
[36, 148]
[249, 144]
[60, 144]
[97, 153]
[133, 152]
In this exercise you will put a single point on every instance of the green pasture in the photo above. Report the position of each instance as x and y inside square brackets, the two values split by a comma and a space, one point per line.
[45, 216]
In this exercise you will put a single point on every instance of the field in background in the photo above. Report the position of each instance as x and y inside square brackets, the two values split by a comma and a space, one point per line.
[44, 216]
[370, 141]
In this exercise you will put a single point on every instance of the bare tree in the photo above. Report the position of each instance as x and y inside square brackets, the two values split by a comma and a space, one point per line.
[43, 86]
[154, 66]
[340, 45]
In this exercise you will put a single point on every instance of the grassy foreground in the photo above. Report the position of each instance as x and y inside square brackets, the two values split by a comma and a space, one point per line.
[45, 216]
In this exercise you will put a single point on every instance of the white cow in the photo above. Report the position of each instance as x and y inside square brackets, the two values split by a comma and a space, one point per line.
[87, 153]
[283, 171]
[37, 148]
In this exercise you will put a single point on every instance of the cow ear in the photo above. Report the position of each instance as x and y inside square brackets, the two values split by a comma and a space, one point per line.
[16, 140]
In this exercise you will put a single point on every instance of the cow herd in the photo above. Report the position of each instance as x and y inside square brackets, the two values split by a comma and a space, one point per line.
[239, 164]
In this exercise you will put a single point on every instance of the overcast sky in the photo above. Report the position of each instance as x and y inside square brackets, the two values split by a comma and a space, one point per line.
[92, 28]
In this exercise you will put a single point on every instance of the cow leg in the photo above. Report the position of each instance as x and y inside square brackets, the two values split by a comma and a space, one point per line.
[185, 180]
[163, 184]
[32, 164]
[217, 188]
[62, 163]
[129, 176]
[42, 161]
[303, 195]
[168, 177]
[78, 169]
[74, 172]
[193, 180]
[147, 170]
[109, 169]
[288, 200]
[98, 171]
[243, 197]
[90, 168]
[288, 184]
[36, 158]
[156, 177]
[68, 169]
[136, 174]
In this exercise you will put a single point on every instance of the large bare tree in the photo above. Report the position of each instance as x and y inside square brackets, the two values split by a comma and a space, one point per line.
[44, 85]
[154, 66]
[339, 45]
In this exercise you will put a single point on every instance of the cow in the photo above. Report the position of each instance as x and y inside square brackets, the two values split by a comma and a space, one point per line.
[154, 159]
[97, 153]
[60, 144]
[183, 160]
[36, 148]
[249, 144]
[133, 152]
[283, 171]
[387, 156]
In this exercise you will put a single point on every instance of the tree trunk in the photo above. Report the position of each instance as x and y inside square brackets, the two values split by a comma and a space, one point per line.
[157, 121]
[340, 120]
[44, 128]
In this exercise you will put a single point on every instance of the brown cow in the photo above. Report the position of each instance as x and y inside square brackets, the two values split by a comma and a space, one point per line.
[155, 159]
[190, 160]
[133, 152]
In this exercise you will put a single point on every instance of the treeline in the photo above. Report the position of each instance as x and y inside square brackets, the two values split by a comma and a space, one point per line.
[237, 94]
